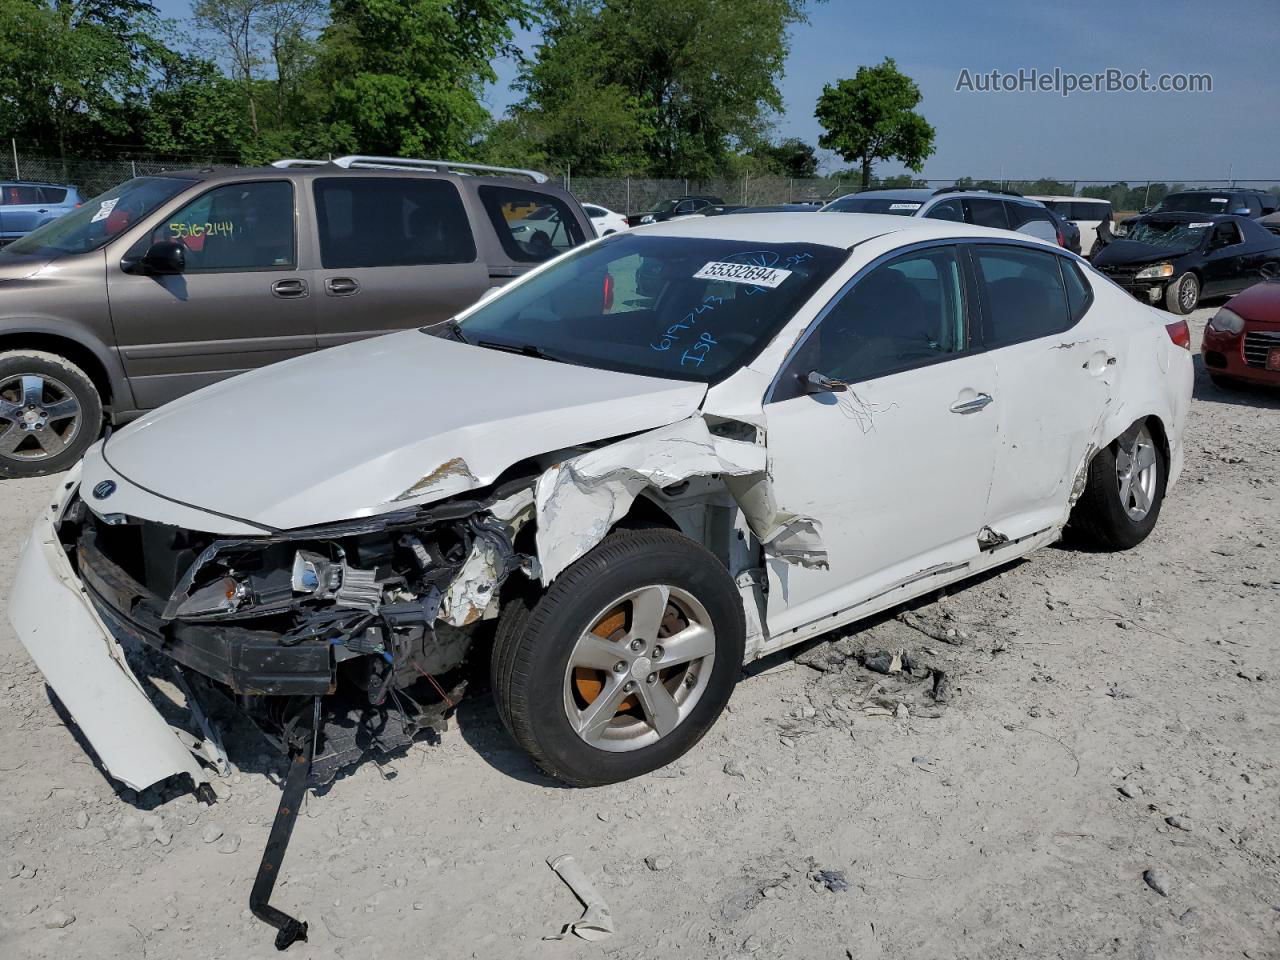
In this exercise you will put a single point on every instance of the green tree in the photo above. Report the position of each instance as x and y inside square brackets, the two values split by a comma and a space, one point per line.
[670, 88]
[68, 66]
[405, 76]
[872, 117]
[789, 158]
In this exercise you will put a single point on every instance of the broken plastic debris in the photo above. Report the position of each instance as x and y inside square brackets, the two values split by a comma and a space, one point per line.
[579, 501]
[596, 922]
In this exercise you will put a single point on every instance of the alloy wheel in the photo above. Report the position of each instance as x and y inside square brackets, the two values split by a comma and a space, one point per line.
[39, 417]
[640, 668]
[1137, 468]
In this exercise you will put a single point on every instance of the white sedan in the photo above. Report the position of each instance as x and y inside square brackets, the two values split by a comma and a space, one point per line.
[605, 220]
[654, 458]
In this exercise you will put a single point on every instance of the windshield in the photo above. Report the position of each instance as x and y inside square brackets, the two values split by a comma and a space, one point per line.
[1193, 203]
[675, 307]
[663, 206]
[100, 220]
[902, 208]
[1169, 234]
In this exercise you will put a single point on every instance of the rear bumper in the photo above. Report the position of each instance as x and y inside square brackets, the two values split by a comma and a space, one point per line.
[85, 666]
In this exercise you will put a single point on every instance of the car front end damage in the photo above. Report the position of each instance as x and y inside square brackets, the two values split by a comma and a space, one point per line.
[338, 642]
[345, 639]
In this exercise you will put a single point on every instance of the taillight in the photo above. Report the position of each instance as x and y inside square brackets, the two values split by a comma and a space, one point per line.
[1179, 333]
[608, 292]
[1062, 242]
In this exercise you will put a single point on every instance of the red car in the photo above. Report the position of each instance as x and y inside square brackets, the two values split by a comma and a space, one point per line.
[1242, 341]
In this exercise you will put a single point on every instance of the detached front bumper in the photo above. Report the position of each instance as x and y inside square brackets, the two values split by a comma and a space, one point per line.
[85, 666]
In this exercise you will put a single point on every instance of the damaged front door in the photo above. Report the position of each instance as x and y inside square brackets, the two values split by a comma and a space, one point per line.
[880, 427]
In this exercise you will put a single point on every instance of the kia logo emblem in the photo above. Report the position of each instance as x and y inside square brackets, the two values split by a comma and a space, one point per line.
[104, 489]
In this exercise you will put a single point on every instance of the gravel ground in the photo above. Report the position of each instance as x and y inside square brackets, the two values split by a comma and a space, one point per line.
[1104, 781]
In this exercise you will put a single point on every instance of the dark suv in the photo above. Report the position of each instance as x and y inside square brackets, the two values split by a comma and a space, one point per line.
[169, 283]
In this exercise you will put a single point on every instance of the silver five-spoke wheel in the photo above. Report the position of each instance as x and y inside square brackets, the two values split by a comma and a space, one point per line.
[39, 417]
[640, 669]
[1137, 469]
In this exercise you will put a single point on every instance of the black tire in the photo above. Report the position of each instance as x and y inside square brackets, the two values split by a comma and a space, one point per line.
[533, 644]
[61, 379]
[1182, 295]
[1099, 517]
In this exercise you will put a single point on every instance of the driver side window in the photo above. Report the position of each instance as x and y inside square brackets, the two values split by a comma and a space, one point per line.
[904, 314]
[1225, 235]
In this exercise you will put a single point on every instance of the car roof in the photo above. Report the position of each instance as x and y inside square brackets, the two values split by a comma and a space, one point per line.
[1043, 196]
[842, 231]
[216, 174]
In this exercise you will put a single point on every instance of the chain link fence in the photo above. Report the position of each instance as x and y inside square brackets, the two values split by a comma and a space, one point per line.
[623, 194]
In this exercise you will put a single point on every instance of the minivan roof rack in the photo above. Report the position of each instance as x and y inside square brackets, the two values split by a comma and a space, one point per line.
[1007, 193]
[361, 162]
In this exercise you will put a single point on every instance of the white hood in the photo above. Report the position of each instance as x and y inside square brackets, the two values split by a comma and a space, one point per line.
[371, 426]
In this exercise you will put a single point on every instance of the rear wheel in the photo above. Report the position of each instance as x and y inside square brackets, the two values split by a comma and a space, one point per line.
[1124, 491]
[625, 663]
[1182, 295]
[50, 412]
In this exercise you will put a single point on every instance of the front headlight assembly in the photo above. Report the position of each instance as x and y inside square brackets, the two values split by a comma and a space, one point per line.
[1157, 271]
[1228, 322]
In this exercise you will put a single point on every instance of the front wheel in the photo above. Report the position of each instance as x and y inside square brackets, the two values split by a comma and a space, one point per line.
[1182, 295]
[50, 412]
[1123, 492]
[625, 662]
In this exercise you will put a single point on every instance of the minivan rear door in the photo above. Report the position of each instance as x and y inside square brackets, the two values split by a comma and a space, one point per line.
[242, 301]
[20, 209]
[395, 252]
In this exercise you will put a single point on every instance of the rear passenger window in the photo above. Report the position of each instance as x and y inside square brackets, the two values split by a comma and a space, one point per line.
[242, 226]
[1079, 293]
[1023, 213]
[531, 226]
[391, 222]
[53, 194]
[1023, 295]
[986, 213]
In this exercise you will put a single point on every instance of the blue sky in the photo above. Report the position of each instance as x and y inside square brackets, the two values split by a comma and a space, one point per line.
[1232, 131]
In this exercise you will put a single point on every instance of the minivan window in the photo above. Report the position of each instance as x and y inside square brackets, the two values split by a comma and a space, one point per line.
[53, 194]
[681, 308]
[1023, 213]
[946, 210]
[101, 219]
[391, 222]
[904, 314]
[239, 226]
[524, 238]
[1023, 294]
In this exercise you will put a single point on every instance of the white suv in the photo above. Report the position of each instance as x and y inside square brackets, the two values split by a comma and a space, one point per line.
[982, 208]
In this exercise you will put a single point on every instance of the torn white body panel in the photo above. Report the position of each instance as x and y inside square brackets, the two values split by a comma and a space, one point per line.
[581, 500]
[86, 668]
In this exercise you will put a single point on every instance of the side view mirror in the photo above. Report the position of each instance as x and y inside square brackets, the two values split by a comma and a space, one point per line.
[163, 258]
[815, 382]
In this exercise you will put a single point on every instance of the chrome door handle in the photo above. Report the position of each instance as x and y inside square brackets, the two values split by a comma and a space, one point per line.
[972, 406]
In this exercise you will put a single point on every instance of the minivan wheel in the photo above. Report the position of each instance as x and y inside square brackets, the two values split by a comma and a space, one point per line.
[1124, 491]
[50, 412]
[1182, 295]
[625, 662]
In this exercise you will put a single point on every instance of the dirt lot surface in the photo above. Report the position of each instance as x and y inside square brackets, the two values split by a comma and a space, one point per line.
[1113, 727]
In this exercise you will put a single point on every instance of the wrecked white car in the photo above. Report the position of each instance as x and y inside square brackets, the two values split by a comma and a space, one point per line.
[656, 457]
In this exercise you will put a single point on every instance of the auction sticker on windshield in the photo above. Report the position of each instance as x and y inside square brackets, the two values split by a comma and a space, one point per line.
[749, 273]
[104, 209]
[904, 206]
